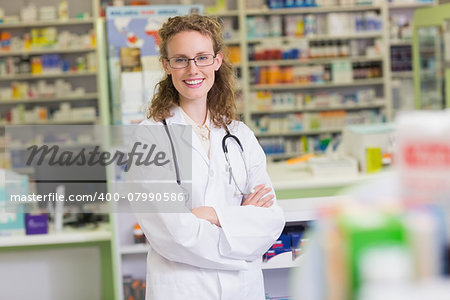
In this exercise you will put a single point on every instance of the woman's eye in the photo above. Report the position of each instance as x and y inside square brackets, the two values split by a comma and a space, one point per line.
[180, 60]
[200, 58]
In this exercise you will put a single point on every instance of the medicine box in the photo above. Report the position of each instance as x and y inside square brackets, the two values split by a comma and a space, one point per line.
[12, 214]
[358, 138]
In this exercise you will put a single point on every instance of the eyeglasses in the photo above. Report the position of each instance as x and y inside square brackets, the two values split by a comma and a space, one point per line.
[202, 60]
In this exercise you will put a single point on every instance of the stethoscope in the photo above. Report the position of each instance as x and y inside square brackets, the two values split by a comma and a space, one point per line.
[225, 151]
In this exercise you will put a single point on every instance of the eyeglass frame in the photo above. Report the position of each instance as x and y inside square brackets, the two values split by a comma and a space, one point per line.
[189, 59]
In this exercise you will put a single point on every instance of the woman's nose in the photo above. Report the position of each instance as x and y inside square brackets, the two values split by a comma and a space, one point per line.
[192, 66]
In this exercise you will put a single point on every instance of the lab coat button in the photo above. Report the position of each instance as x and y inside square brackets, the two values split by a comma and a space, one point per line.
[211, 173]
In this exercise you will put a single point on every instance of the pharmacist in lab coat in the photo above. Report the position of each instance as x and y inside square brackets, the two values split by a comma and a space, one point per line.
[213, 249]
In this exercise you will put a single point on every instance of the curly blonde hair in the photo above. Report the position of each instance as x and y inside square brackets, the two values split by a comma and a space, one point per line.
[221, 97]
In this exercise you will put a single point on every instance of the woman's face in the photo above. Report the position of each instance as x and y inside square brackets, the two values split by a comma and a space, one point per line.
[192, 82]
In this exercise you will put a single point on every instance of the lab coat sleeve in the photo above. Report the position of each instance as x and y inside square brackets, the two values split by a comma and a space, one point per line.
[249, 231]
[178, 236]
[183, 238]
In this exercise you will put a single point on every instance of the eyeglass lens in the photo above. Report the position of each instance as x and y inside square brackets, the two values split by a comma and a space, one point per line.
[200, 60]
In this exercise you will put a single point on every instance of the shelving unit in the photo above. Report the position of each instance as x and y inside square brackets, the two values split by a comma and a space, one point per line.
[377, 104]
[44, 51]
[361, 82]
[95, 87]
[400, 43]
[86, 254]
[293, 62]
[400, 17]
[57, 260]
[403, 74]
[130, 258]
[134, 249]
[381, 85]
[394, 5]
[310, 10]
[299, 133]
[50, 75]
[87, 96]
[57, 122]
[68, 22]
[272, 265]
[63, 237]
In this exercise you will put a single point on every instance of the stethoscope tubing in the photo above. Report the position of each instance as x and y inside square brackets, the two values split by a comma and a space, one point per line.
[225, 151]
[174, 155]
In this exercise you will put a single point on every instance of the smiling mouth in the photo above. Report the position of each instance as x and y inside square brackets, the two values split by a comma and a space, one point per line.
[194, 83]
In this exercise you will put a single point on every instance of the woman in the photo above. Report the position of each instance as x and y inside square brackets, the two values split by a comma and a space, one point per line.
[214, 249]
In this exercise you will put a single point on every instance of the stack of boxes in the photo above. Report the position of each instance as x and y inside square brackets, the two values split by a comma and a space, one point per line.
[290, 242]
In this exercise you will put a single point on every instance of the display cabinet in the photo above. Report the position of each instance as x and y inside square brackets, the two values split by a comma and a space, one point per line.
[401, 13]
[52, 68]
[431, 61]
[305, 78]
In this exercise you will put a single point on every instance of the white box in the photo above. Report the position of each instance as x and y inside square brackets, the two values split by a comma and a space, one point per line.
[356, 139]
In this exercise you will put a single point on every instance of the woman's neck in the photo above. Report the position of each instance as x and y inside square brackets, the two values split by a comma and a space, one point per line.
[197, 112]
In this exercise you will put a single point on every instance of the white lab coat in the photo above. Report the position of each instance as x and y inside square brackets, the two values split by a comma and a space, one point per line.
[191, 258]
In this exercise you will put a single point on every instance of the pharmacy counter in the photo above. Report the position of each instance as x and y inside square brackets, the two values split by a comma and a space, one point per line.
[294, 181]
[70, 265]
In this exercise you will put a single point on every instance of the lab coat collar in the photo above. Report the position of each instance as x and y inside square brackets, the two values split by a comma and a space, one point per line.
[188, 134]
[176, 116]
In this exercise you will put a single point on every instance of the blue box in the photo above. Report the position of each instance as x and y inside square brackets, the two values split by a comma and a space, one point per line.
[283, 243]
[36, 224]
[296, 238]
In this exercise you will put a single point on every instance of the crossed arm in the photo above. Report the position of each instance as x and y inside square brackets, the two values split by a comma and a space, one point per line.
[258, 198]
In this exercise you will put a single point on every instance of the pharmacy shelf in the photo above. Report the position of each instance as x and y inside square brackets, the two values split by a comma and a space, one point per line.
[98, 240]
[310, 10]
[235, 41]
[289, 62]
[55, 122]
[50, 75]
[297, 177]
[355, 36]
[24, 170]
[298, 133]
[62, 145]
[361, 82]
[46, 51]
[409, 5]
[273, 264]
[134, 249]
[376, 104]
[88, 96]
[66, 122]
[402, 74]
[282, 155]
[63, 237]
[225, 13]
[400, 43]
[68, 22]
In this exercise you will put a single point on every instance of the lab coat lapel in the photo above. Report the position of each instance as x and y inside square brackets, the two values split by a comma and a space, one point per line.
[216, 136]
[188, 136]
[197, 146]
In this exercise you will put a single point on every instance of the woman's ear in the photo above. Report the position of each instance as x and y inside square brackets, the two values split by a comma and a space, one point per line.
[219, 58]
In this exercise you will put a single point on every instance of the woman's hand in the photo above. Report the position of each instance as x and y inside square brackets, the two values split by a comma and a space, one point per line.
[259, 198]
[207, 213]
